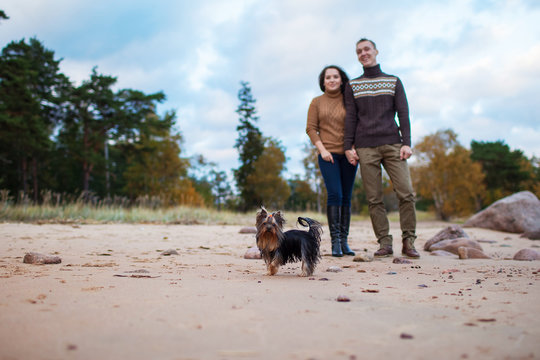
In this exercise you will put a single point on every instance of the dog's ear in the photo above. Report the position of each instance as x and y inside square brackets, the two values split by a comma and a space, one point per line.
[261, 216]
[279, 218]
[262, 212]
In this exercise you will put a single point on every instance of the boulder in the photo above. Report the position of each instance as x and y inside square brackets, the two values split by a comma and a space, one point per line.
[452, 245]
[451, 232]
[441, 253]
[532, 234]
[471, 253]
[527, 255]
[518, 213]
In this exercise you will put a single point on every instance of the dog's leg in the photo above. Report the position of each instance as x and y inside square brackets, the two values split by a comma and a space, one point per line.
[273, 268]
[306, 270]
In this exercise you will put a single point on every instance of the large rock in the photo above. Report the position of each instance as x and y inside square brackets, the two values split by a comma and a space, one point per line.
[517, 213]
[452, 245]
[527, 255]
[450, 232]
[471, 253]
[532, 234]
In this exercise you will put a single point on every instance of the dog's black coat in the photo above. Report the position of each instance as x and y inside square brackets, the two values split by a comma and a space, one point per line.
[279, 248]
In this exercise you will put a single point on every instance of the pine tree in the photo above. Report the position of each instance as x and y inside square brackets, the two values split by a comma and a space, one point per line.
[31, 90]
[250, 145]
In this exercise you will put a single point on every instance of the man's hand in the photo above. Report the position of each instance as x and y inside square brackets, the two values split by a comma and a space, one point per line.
[352, 157]
[405, 152]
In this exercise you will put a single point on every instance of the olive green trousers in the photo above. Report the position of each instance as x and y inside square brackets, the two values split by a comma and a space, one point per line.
[371, 160]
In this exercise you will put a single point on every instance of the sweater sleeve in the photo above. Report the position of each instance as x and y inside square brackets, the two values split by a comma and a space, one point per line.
[402, 108]
[350, 118]
[312, 127]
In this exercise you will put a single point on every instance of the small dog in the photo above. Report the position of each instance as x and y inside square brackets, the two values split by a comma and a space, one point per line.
[278, 247]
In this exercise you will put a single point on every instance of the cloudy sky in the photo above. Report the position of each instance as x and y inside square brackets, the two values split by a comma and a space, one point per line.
[469, 65]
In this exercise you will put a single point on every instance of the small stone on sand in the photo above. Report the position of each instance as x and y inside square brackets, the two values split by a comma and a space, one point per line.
[334, 269]
[41, 259]
[253, 253]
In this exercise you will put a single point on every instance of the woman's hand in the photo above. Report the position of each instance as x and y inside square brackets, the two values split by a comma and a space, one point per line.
[327, 156]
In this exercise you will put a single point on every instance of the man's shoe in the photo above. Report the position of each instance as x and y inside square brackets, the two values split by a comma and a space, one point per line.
[384, 251]
[409, 250]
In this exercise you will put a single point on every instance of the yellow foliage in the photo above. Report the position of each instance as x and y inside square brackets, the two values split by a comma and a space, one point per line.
[447, 175]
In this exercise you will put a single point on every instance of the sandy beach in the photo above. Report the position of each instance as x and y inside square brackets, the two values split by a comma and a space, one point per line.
[115, 296]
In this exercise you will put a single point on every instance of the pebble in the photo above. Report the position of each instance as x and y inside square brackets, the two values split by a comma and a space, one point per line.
[41, 259]
[253, 253]
[170, 252]
[363, 257]
[334, 269]
[343, 298]
[248, 230]
[401, 260]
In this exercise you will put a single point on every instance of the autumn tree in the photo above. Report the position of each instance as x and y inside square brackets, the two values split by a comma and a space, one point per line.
[250, 145]
[269, 187]
[302, 195]
[313, 175]
[156, 169]
[446, 174]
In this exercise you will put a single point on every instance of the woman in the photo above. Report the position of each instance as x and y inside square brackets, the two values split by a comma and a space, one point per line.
[325, 128]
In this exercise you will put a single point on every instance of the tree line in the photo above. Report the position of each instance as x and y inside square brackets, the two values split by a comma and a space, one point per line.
[99, 144]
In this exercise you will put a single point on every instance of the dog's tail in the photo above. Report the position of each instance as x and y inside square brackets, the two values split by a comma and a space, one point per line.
[315, 227]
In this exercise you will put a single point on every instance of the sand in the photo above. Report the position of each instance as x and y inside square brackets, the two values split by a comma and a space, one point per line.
[114, 296]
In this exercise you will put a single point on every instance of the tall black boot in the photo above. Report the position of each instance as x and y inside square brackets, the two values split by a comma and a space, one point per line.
[345, 223]
[334, 217]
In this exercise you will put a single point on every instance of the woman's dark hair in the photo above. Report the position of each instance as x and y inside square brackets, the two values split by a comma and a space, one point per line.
[342, 74]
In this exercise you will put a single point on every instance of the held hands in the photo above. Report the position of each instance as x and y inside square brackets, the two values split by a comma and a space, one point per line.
[352, 157]
[405, 152]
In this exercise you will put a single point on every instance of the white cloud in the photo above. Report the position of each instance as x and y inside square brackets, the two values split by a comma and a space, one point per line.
[468, 65]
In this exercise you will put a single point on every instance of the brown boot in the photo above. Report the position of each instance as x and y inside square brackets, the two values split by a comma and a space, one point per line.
[384, 251]
[409, 250]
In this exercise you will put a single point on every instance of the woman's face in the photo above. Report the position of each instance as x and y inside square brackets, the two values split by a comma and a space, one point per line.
[332, 80]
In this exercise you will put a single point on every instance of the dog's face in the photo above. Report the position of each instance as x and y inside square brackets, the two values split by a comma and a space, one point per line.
[269, 220]
[269, 229]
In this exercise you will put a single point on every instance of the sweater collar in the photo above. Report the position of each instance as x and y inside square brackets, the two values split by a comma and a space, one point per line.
[333, 94]
[373, 71]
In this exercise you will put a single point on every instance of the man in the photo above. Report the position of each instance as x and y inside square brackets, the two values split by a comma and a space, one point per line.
[372, 101]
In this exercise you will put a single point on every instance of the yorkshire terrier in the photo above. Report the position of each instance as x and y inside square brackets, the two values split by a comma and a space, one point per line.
[279, 248]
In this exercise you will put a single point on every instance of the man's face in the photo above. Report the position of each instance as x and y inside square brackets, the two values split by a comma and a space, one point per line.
[367, 54]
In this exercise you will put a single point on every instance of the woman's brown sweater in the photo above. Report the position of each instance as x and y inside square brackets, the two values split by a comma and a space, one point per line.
[326, 121]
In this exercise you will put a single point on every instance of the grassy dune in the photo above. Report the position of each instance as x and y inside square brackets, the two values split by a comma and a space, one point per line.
[89, 214]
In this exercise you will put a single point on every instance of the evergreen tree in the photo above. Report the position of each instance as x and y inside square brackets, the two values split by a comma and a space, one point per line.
[98, 116]
[506, 171]
[250, 145]
[31, 89]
